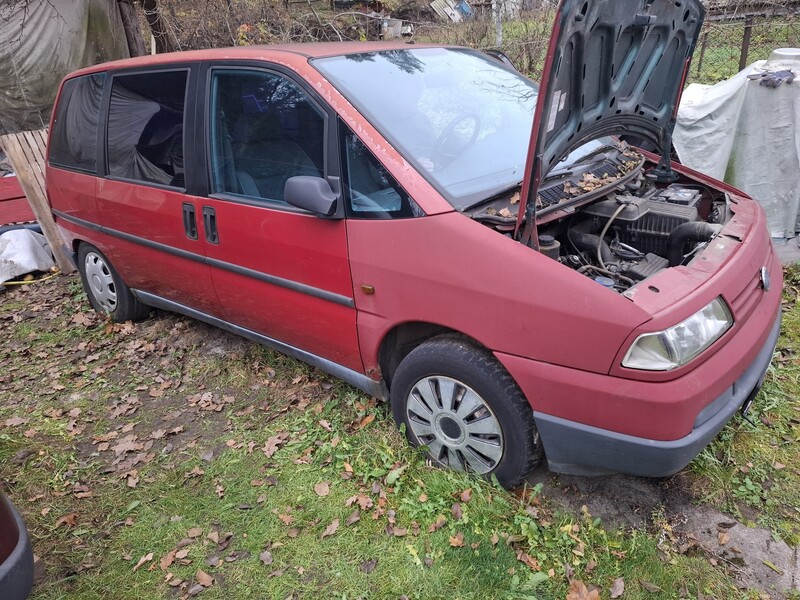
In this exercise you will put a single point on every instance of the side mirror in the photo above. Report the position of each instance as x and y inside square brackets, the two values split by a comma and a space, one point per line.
[310, 193]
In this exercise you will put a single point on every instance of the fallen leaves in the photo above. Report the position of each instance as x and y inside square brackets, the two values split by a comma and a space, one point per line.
[578, 591]
[143, 560]
[330, 529]
[457, 540]
[274, 442]
[441, 521]
[323, 488]
[617, 588]
[69, 520]
[203, 578]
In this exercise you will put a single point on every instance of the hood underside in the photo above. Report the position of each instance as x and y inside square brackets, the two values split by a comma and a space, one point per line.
[614, 67]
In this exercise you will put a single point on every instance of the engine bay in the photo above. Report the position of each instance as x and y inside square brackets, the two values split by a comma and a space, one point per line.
[605, 218]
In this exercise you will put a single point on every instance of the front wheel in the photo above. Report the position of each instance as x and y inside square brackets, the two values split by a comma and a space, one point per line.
[105, 289]
[457, 401]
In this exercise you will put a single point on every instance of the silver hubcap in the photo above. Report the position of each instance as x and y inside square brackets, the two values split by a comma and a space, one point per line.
[455, 423]
[101, 282]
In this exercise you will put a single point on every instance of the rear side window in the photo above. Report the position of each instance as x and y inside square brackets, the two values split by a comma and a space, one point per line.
[73, 143]
[145, 127]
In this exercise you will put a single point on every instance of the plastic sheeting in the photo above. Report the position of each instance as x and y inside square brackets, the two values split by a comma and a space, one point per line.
[747, 134]
[23, 251]
[42, 41]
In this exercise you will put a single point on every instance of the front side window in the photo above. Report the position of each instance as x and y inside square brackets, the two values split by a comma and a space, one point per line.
[73, 143]
[371, 192]
[145, 127]
[264, 130]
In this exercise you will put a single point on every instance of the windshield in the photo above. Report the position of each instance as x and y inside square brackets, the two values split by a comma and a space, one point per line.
[461, 118]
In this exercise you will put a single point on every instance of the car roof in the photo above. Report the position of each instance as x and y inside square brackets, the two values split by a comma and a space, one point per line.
[279, 52]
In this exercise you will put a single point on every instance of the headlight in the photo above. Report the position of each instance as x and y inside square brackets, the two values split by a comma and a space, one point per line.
[674, 347]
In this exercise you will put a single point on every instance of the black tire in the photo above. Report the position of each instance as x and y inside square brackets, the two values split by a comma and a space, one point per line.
[497, 438]
[105, 289]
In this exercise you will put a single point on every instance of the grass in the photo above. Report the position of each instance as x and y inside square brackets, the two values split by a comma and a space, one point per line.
[752, 468]
[199, 470]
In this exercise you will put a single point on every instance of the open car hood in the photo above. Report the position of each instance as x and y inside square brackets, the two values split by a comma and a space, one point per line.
[613, 67]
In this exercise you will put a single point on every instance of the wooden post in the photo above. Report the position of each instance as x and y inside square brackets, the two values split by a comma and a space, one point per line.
[748, 33]
[25, 151]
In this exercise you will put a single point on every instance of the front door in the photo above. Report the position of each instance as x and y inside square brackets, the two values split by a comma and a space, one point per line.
[279, 271]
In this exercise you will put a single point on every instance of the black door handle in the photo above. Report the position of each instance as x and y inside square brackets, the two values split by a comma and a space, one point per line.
[189, 221]
[210, 225]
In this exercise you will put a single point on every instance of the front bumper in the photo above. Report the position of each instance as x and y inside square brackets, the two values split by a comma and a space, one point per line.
[16, 572]
[580, 449]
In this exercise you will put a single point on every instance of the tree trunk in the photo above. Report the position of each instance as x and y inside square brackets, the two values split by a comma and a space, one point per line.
[165, 42]
[130, 23]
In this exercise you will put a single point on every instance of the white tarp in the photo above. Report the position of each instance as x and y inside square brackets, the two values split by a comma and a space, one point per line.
[23, 251]
[43, 40]
[747, 134]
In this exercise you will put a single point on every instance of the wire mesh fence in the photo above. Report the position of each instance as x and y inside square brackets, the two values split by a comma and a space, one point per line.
[730, 42]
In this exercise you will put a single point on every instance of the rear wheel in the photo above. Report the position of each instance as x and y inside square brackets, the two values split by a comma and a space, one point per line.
[106, 291]
[456, 400]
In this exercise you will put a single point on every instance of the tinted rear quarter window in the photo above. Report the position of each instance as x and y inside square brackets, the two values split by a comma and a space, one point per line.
[145, 127]
[73, 143]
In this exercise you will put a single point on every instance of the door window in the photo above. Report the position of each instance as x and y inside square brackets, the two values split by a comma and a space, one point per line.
[73, 143]
[145, 127]
[372, 193]
[264, 130]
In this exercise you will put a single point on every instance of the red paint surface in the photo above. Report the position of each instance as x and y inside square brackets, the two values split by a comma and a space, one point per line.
[296, 247]
[14, 207]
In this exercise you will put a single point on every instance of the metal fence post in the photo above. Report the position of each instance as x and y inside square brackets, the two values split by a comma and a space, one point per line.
[748, 32]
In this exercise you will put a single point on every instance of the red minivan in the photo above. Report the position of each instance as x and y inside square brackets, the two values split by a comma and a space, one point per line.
[438, 230]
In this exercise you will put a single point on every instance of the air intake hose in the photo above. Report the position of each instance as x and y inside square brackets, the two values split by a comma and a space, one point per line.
[696, 231]
[583, 240]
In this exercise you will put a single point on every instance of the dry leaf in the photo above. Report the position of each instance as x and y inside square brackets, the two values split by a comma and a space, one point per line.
[466, 495]
[145, 559]
[441, 520]
[723, 538]
[457, 540]
[365, 421]
[266, 557]
[354, 517]
[578, 591]
[456, 510]
[650, 587]
[330, 529]
[617, 588]
[167, 560]
[368, 565]
[194, 532]
[323, 488]
[527, 559]
[69, 520]
[204, 578]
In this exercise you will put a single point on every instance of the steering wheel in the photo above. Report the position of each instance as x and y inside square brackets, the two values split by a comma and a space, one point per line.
[440, 155]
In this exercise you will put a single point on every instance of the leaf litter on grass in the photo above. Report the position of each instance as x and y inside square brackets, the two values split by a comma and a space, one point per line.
[155, 403]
